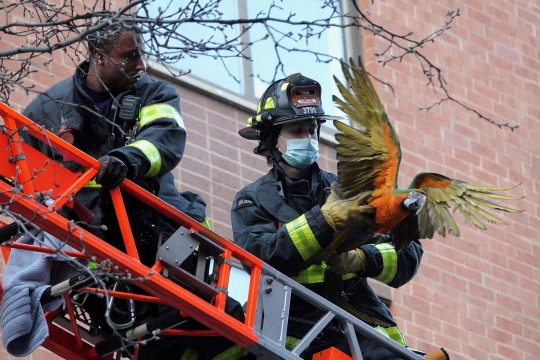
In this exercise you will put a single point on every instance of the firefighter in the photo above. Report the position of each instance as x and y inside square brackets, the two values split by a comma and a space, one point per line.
[114, 112]
[111, 110]
[284, 217]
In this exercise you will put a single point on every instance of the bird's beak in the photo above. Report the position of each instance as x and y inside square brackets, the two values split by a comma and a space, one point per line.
[414, 202]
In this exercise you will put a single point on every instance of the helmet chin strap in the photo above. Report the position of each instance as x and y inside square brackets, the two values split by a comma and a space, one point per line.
[277, 154]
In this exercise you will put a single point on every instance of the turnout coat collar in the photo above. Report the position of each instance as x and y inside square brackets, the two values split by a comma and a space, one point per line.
[270, 199]
[88, 122]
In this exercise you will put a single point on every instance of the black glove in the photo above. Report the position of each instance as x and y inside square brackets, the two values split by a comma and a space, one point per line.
[111, 173]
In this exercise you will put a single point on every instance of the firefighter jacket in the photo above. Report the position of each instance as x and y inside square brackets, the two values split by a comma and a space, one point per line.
[279, 220]
[156, 148]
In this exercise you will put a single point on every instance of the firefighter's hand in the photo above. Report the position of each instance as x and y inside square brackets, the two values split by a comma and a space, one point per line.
[111, 173]
[342, 263]
[347, 213]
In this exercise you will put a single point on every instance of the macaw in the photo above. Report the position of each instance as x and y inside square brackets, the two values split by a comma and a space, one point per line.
[369, 155]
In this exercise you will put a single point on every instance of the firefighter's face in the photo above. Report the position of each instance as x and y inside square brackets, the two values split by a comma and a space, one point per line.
[120, 67]
[297, 130]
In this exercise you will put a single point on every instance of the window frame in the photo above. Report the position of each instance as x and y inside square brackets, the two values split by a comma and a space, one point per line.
[352, 46]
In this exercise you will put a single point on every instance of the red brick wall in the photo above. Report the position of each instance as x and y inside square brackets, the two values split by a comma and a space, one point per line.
[477, 295]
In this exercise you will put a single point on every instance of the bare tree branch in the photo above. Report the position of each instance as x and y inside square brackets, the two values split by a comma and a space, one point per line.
[62, 27]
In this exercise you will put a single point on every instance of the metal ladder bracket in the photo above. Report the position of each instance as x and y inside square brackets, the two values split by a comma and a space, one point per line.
[177, 249]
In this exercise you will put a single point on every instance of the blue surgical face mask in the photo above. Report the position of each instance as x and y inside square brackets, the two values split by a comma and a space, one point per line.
[301, 152]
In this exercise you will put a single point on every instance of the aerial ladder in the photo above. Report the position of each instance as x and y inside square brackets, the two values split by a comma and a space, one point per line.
[29, 177]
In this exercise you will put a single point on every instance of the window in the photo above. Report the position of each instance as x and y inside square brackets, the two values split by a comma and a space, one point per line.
[298, 53]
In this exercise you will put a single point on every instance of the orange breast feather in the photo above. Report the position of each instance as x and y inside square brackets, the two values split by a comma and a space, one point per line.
[388, 211]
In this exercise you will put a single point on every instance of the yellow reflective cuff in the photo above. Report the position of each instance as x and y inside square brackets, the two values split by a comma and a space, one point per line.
[92, 184]
[315, 275]
[393, 333]
[389, 256]
[303, 237]
[152, 154]
[190, 354]
[152, 112]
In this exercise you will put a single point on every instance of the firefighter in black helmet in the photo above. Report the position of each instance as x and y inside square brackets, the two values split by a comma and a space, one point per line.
[290, 213]
[291, 100]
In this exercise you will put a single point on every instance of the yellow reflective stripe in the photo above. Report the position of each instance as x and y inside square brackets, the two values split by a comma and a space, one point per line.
[269, 104]
[258, 107]
[92, 184]
[190, 354]
[152, 112]
[393, 333]
[291, 342]
[257, 119]
[152, 154]
[312, 275]
[315, 275]
[349, 276]
[396, 335]
[284, 86]
[235, 352]
[206, 223]
[389, 257]
[303, 237]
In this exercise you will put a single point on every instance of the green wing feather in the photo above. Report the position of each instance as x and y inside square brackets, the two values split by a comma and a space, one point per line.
[446, 196]
[363, 153]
